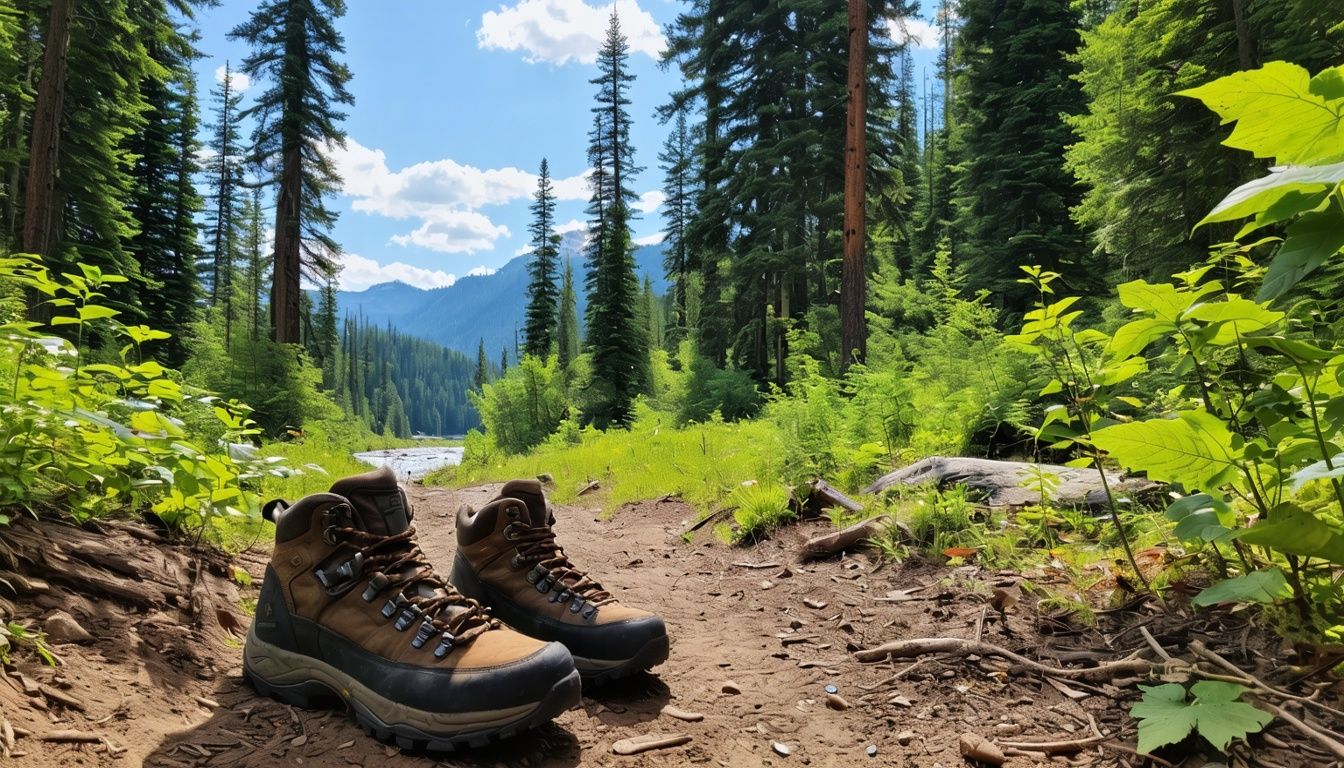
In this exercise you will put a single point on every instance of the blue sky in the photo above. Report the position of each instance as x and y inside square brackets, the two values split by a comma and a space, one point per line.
[456, 102]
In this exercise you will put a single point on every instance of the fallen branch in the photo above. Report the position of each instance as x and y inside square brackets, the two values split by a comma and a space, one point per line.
[1055, 747]
[1201, 650]
[848, 538]
[1336, 748]
[71, 736]
[906, 649]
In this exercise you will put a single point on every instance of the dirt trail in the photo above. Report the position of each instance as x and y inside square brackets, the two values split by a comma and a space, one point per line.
[730, 625]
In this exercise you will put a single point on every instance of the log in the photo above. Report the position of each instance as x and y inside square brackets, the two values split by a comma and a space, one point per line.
[821, 496]
[1001, 483]
[848, 538]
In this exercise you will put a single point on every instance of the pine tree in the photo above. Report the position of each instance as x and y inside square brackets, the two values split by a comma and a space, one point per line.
[482, 376]
[618, 342]
[503, 361]
[223, 177]
[325, 333]
[542, 306]
[295, 45]
[567, 330]
[1014, 198]
[677, 161]
[257, 264]
[163, 199]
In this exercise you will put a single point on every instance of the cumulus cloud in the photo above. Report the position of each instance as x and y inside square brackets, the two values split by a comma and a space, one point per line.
[920, 33]
[455, 232]
[241, 82]
[649, 202]
[654, 239]
[444, 195]
[573, 225]
[359, 273]
[562, 31]
[481, 271]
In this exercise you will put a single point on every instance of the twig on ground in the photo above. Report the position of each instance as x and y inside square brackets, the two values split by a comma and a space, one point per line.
[70, 736]
[1202, 651]
[1335, 747]
[1152, 643]
[958, 646]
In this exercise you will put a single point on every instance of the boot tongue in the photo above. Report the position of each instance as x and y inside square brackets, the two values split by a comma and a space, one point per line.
[530, 493]
[378, 502]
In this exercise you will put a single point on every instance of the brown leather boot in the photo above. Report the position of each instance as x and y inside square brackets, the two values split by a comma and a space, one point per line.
[351, 610]
[508, 559]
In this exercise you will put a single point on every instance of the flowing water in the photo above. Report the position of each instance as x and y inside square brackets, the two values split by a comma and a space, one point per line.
[413, 463]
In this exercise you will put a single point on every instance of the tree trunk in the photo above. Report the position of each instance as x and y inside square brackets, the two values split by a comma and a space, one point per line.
[40, 198]
[1245, 47]
[853, 332]
[285, 309]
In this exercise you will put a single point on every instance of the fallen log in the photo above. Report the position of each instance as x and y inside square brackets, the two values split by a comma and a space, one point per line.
[1003, 483]
[822, 496]
[853, 537]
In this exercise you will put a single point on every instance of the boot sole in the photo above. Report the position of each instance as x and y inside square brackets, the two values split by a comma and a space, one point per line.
[599, 671]
[310, 683]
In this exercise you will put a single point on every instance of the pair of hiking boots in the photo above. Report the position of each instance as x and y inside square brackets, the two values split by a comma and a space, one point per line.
[352, 611]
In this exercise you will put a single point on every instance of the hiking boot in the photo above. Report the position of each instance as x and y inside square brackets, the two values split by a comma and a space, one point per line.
[351, 610]
[509, 560]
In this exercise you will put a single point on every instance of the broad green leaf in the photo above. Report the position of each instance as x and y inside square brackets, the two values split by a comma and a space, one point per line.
[1295, 531]
[1194, 450]
[1166, 717]
[1292, 348]
[1318, 471]
[1311, 240]
[1118, 373]
[1133, 336]
[1162, 300]
[1292, 204]
[1201, 517]
[1308, 181]
[1235, 316]
[95, 312]
[1255, 587]
[1276, 113]
[1329, 83]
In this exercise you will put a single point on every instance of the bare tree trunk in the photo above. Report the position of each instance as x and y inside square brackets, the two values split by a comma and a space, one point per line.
[853, 330]
[40, 199]
[1245, 52]
[285, 308]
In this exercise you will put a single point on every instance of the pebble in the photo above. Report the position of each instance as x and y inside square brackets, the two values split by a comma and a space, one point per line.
[681, 714]
[832, 689]
[834, 701]
[767, 584]
[872, 750]
[905, 737]
[731, 688]
[781, 749]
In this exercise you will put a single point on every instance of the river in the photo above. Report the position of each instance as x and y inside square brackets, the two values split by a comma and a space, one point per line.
[413, 463]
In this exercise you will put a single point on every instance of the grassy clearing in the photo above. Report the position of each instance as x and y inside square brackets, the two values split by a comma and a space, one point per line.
[324, 455]
[701, 463]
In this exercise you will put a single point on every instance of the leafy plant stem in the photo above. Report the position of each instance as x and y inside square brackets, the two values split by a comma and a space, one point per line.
[1115, 518]
[1316, 430]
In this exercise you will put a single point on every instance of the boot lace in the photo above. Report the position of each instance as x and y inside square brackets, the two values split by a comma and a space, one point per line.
[398, 563]
[537, 546]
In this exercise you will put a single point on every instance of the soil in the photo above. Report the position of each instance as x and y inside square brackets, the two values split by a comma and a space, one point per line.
[757, 639]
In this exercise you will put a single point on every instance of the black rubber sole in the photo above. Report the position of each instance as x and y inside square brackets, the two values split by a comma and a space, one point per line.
[651, 655]
[564, 695]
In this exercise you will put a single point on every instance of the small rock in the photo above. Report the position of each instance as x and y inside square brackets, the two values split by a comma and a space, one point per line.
[781, 749]
[731, 688]
[905, 737]
[872, 750]
[815, 605]
[61, 627]
[978, 748]
[767, 584]
[546, 478]
[834, 701]
[832, 689]
[795, 624]
[681, 714]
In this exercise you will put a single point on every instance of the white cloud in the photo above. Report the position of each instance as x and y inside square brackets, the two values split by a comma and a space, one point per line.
[654, 239]
[561, 31]
[649, 202]
[359, 273]
[444, 195]
[523, 250]
[481, 271]
[241, 82]
[919, 32]
[573, 225]
[455, 232]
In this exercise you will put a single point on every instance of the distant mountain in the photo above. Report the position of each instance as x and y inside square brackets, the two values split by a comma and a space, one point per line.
[485, 306]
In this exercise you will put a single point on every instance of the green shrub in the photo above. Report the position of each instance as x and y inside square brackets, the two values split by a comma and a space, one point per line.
[523, 407]
[107, 437]
[760, 508]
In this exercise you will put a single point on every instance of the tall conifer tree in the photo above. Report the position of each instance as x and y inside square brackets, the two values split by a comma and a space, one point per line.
[677, 161]
[223, 177]
[543, 301]
[618, 342]
[296, 47]
[567, 328]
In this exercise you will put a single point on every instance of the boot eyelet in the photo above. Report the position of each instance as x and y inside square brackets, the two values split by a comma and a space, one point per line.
[544, 585]
[445, 645]
[517, 562]
[512, 513]
[423, 634]
[407, 618]
[508, 533]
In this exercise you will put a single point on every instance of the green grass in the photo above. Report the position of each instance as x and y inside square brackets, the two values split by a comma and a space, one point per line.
[323, 456]
[701, 463]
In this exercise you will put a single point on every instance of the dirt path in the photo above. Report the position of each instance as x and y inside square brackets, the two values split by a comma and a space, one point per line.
[731, 626]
